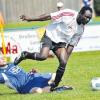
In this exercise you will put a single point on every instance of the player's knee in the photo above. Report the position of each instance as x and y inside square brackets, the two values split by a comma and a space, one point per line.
[43, 57]
[39, 90]
[63, 62]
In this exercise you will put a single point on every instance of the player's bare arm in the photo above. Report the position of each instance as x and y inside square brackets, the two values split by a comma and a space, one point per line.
[40, 18]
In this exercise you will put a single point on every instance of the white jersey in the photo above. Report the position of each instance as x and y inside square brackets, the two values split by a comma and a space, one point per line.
[64, 27]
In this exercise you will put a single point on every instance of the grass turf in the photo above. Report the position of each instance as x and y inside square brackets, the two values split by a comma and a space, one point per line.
[81, 68]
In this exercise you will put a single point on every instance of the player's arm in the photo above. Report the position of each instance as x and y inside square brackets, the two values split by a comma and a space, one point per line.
[40, 18]
[75, 39]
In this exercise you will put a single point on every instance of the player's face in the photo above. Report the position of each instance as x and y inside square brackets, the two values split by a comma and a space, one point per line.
[2, 62]
[85, 18]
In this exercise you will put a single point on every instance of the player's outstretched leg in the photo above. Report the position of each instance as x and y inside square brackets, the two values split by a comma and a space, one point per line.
[21, 57]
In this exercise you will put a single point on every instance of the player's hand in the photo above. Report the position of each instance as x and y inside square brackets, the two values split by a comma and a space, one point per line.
[33, 71]
[23, 17]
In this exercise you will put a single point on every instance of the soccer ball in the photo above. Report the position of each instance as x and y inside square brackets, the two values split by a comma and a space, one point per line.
[95, 83]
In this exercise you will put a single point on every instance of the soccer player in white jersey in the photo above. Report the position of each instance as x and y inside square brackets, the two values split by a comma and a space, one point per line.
[60, 36]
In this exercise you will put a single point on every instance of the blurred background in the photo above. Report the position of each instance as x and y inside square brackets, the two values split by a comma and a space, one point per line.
[12, 9]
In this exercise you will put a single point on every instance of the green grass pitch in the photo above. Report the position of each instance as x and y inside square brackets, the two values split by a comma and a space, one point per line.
[81, 68]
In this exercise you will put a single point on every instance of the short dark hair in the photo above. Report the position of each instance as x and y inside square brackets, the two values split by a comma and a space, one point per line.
[83, 9]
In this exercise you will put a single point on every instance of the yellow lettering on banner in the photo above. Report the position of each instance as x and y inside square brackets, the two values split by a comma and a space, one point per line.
[40, 32]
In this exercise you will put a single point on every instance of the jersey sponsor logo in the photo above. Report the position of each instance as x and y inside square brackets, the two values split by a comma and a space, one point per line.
[15, 70]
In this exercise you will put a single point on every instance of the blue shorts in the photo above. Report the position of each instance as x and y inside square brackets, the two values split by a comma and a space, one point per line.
[35, 81]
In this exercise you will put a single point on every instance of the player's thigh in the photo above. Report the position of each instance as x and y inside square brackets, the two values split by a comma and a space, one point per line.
[44, 51]
[69, 49]
[61, 54]
[46, 45]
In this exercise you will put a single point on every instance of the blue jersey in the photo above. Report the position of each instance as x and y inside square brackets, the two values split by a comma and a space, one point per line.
[86, 2]
[16, 78]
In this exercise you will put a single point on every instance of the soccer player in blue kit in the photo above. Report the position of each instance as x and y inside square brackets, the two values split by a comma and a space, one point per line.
[26, 82]
[16, 78]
